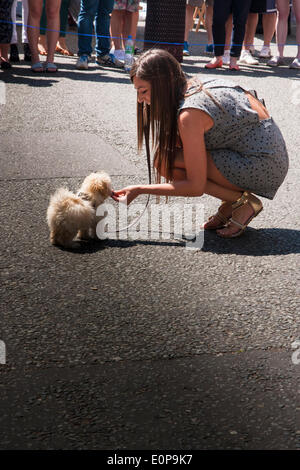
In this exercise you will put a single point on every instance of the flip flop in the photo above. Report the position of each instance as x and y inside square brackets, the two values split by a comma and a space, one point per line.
[37, 67]
[50, 67]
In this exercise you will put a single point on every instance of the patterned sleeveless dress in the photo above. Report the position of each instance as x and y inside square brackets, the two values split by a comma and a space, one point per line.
[250, 153]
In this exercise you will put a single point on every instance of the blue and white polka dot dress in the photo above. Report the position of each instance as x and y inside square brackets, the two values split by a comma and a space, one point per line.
[250, 153]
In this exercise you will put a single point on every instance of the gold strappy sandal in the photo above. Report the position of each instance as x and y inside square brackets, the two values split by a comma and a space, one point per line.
[246, 198]
[224, 220]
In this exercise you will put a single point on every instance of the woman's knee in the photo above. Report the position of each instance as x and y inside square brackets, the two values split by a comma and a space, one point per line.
[52, 9]
[35, 9]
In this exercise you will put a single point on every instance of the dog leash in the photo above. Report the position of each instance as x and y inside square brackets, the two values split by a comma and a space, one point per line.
[146, 134]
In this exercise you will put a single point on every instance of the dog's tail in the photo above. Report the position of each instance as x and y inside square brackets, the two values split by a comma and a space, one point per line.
[66, 214]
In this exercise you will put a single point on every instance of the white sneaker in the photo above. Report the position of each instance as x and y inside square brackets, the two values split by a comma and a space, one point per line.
[275, 61]
[246, 58]
[265, 52]
[295, 64]
[120, 54]
[226, 58]
[82, 62]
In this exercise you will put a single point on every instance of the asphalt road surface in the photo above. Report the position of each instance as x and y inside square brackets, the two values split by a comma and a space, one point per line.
[140, 343]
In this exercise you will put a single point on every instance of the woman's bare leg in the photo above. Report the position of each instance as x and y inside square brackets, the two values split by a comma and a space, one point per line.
[53, 25]
[219, 187]
[33, 30]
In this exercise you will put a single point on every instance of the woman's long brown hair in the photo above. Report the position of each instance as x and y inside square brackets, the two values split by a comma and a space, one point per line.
[168, 84]
[169, 87]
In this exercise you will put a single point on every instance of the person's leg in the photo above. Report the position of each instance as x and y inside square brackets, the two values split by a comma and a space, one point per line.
[102, 21]
[14, 39]
[240, 12]
[14, 53]
[221, 13]
[283, 8]
[33, 30]
[248, 45]
[250, 31]
[208, 23]
[88, 10]
[269, 26]
[189, 12]
[219, 187]
[296, 6]
[24, 21]
[42, 44]
[53, 22]
[116, 24]
[61, 44]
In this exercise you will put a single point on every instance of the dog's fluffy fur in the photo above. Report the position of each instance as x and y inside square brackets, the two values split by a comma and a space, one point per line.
[72, 214]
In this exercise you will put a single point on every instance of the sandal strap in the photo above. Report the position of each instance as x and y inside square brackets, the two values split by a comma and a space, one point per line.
[235, 222]
[219, 214]
[248, 198]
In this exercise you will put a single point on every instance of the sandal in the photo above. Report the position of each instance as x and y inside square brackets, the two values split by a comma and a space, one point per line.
[214, 64]
[62, 51]
[219, 215]
[50, 67]
[256, 205]
[37, 67]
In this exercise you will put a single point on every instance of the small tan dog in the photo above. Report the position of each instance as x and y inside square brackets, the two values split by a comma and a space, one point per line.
[72, 214]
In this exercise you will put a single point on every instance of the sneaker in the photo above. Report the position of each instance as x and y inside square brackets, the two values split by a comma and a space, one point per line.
[226, 57]
[209, 48]
[252, 50]
[295, 64]
[82, 62]
[265, 52]
[109, 60]
[275, 61]
[247, 59]
[119, 54]
[186, 48]
[14, 53]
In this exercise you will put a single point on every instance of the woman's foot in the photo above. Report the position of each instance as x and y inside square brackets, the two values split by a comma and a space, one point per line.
[215, 63]
[221, 218]
[62, 48]
[42, 45]
[233, 64]
[244, 210]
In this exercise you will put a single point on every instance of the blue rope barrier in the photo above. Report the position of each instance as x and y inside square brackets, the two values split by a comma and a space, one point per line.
[116, 37]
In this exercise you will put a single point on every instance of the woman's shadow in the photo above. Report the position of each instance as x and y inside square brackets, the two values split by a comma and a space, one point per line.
[254, 242]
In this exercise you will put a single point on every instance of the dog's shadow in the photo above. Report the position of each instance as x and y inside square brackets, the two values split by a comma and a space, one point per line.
[255, 242]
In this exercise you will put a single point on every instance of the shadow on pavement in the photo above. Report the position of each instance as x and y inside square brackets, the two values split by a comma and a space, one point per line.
[255, 242]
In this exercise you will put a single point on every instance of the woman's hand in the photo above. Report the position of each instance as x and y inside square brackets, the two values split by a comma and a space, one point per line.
[126, 195]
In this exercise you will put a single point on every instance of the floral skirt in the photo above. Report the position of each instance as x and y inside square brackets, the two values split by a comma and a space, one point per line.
[129, 5]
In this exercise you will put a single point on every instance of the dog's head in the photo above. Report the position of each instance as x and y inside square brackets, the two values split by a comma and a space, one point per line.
[97, 186]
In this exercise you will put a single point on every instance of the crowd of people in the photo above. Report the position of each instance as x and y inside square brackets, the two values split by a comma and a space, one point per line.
[230, 24]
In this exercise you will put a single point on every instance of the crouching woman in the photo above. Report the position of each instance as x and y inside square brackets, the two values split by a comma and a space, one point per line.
[209, 137]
